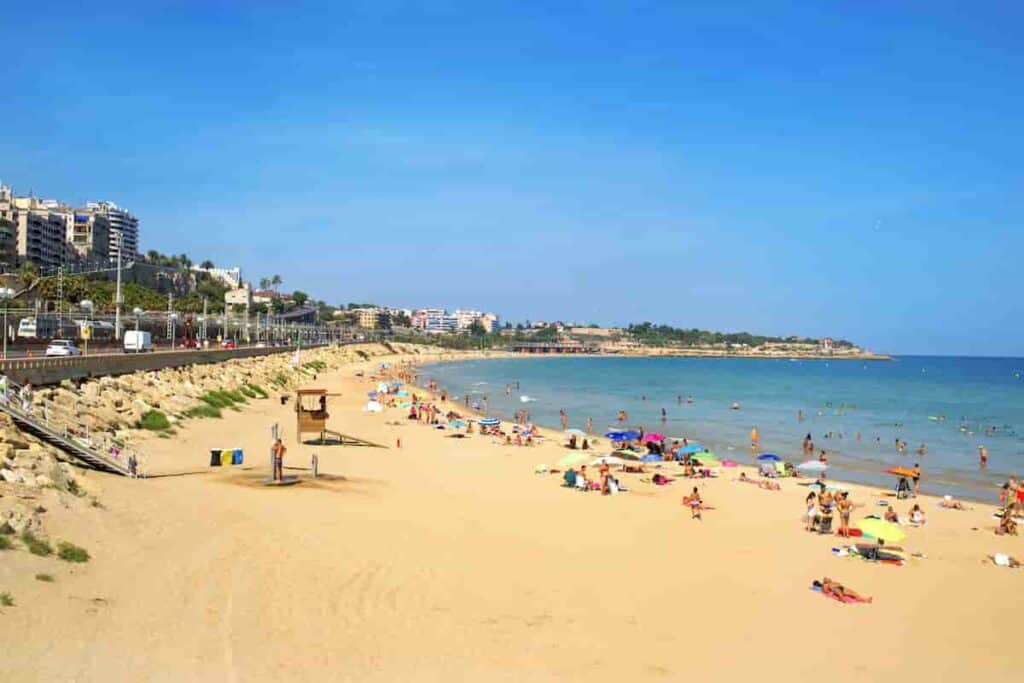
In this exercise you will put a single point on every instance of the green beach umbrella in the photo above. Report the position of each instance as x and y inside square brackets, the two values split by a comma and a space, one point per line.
[879, 528]
[572, 459]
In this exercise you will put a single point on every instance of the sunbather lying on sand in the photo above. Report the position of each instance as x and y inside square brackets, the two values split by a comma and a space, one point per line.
[766, 485]
[951, 503]
[837, 590]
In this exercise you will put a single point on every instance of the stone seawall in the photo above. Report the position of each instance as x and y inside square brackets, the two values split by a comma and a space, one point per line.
[46, 371]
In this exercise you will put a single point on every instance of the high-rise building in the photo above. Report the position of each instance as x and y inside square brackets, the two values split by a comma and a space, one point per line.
[42, 226]
[89, 235]
[8, 230]
[123, 226]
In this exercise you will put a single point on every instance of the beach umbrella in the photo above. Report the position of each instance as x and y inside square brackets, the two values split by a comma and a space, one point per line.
[901, 471]
[879, 528]
[769, 457]
[617, 436]
[627, 455]
[729, 463]
[651, 457]
[571, 459]
[705, 455]
[372, 407]
[609, 460]
[653, 436]
[692, 448]
[372, 394]
[812, 466]
[489, 421]
[402, 394]
[457, 424]
[575, 432]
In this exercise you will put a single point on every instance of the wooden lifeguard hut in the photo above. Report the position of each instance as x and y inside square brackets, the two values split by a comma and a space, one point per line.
[311, 414]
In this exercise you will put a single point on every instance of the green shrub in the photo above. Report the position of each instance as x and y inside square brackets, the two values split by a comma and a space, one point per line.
[69, 552]
[154, 420]
[203, 410]
[36, 546]
[258, 390]
[235, 396]
[215, 399]
[45, 578]
[5, 542]
[362, 354]
[247, 392]
[6, 599]
[280, 379]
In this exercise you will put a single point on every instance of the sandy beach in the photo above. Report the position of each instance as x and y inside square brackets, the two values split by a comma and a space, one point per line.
[449, 559]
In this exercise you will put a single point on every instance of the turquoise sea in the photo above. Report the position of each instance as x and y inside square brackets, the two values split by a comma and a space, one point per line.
[951, 405]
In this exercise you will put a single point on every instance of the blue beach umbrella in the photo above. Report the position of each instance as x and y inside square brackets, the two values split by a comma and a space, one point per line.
[489, 421]
[692, 448]
[769, 457]
[650, 457]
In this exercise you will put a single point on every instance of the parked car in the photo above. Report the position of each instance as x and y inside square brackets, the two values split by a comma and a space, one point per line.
[228, 344]
[63, 347]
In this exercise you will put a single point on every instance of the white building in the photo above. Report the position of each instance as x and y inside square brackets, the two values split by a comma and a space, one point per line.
[242, 296]
[232, 277]
[123, 226]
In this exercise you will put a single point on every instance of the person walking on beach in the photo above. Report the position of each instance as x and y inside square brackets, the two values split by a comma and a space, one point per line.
[278, 460]
[695, 503]
[917, 479]
[982, 456]
[564, 417]
[26, 398]
[590, 425]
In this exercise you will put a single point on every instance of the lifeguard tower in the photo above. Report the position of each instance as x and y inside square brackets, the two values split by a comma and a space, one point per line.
[311, 415]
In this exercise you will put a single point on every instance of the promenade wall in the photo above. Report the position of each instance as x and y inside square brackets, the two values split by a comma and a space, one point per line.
[44, 371]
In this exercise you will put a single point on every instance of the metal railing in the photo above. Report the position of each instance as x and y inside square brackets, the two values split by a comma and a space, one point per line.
[63, 428]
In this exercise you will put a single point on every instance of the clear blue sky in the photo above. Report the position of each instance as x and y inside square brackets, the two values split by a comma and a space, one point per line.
[851, 168]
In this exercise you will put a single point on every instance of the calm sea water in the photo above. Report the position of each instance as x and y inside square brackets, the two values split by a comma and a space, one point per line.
[952, 405]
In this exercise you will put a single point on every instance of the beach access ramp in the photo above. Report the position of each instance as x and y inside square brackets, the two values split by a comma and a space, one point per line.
[62, 429]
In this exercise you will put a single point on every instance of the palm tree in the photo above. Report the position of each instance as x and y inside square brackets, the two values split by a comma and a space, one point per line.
[264, 283]
[207, 264]
[152, 255]
[28, 271]
[276, 281]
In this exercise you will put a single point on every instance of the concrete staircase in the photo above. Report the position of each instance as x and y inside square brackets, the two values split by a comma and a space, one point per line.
[62, 429]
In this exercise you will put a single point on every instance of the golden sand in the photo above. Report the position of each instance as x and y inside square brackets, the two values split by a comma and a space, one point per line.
[449, 559]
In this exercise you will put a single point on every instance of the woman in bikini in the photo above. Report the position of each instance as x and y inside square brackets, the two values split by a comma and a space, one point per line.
[838, 590]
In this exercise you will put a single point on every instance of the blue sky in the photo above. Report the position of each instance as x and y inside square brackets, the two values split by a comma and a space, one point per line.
[842, 168]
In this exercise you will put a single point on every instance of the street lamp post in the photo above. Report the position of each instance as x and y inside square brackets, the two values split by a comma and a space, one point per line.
[6, 293]
[171, 318]
[138, 314]
[87, 306]
[118, 299]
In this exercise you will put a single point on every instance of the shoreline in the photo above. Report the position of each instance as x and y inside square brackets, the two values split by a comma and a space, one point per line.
[870, 477]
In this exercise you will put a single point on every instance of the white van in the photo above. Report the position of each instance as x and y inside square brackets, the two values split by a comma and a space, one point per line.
[136, 341]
